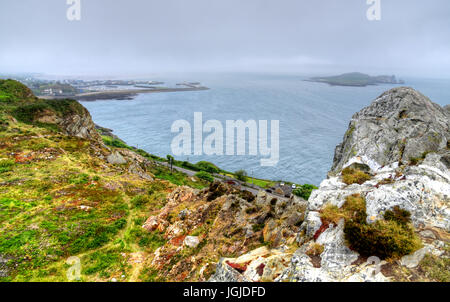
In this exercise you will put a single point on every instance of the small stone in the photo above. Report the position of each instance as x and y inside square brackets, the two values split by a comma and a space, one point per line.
[191, 241]
[116, 159]
[428, 234]
[412, 261]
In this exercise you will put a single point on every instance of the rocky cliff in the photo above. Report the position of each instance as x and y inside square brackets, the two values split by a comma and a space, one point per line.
[383, 214]
[402, 124]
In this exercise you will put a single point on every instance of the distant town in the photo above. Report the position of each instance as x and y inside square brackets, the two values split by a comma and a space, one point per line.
[97, 89]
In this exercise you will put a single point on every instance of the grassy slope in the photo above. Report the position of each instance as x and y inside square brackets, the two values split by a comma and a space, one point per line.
[46, 184]
[58, 199]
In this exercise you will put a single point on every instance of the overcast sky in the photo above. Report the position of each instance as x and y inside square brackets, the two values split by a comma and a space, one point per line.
[138, 37]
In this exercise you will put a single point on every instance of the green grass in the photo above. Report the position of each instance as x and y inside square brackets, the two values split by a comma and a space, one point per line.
[436, 268]
[178, 178]
[6, 165]
[262, 183]
[145, 239]
[104, 263]
[113, 142]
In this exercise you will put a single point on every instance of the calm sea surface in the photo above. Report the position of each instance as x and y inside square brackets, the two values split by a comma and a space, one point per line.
[313, 117]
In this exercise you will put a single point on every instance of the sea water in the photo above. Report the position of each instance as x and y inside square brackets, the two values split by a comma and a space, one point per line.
[313, 117]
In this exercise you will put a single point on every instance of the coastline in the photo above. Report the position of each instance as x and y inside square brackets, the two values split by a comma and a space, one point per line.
[120, 94]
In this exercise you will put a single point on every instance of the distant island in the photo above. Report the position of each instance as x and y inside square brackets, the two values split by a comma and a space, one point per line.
[356, 79]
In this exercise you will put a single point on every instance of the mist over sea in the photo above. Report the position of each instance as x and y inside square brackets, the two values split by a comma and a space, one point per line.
[313, 117]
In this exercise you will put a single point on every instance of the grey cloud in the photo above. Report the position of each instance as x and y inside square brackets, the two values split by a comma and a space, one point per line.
[145, 36]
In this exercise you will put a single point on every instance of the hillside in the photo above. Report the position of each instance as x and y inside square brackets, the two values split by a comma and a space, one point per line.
[66, 191]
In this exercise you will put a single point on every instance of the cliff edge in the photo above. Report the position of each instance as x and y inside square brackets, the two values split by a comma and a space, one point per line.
[383, 213]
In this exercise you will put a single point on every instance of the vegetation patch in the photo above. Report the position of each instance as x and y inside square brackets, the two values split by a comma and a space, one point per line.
[177, 178]
[436, 268]
[414, 161]
[258, 227]
[205, 176]
[304, 191]
[103, 263]
[6, 165]
[145, 239]
[391, 237]
[114, 142]
[207, 167]
[241, 175]
[315, 250]
[139, 201]
[354, 176]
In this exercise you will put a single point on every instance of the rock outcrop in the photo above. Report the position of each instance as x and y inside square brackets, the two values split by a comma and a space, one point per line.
[74, 121]
[218, 224]
[400, 125]
[80, 125]
[398, 150]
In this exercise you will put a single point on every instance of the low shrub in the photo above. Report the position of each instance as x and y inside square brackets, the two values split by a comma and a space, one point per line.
[80, 179]
[391, 237]
[353, 208]
[241, 175]
[436, 268]
[207, 167]
[304, 191]
[353, 176]
[247, 195]
[385, 239]
[205, 176]
[189, 166]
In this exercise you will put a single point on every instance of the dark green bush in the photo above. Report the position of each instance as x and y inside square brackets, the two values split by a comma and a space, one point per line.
[392, 237]
[241, 175]
[258, 227]
[304, 191]
[385, 239]
[207, 167]
[205, 176]
[189, 166]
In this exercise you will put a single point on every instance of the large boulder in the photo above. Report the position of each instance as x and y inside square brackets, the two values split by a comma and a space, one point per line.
[402, 124]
